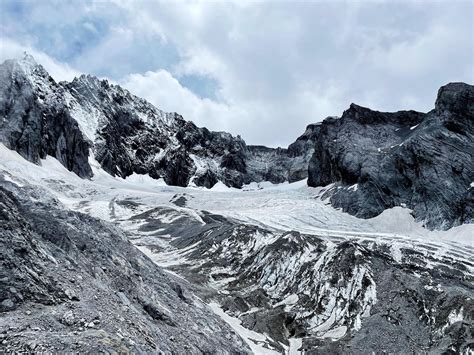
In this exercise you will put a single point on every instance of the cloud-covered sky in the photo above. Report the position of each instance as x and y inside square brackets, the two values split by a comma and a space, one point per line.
[261, 69]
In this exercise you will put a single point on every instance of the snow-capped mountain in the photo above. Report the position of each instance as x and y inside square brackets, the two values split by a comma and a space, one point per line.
[377, 160]
[129, 135]
[36, 121]
[110, 243]
[255, 258]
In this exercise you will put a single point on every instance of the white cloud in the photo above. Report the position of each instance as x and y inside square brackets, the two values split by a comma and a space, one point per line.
[165, 92]
[59, 71]
[278, 66]
[287, 65]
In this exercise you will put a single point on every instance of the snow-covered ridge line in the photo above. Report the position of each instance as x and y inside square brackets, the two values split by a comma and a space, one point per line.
[129, 135]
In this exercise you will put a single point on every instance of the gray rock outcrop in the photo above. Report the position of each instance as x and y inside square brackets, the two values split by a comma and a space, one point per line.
[35, 120]
[379, 160]
[70, 283]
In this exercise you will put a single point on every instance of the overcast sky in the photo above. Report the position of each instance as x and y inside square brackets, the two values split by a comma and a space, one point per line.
[264, 69]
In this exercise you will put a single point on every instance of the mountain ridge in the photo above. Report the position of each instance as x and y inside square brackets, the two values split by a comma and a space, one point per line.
[263, 269]
[425, 161]
[129, 135]
[376, 160]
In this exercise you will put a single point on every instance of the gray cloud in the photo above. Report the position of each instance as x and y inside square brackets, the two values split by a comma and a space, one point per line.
[275, 66]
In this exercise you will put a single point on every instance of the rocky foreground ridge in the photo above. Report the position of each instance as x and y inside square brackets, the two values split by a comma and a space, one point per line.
[73, 283]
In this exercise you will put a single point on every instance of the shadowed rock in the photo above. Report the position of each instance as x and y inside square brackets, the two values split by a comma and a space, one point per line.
[379, 160]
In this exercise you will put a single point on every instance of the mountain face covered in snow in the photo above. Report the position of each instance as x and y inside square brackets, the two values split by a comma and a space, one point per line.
[99, 255]
[71, 279]
[129, 135]
[423, 161]
[377, 160]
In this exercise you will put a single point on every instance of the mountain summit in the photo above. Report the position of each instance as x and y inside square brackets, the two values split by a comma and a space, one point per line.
[127, 134]
[99, 254]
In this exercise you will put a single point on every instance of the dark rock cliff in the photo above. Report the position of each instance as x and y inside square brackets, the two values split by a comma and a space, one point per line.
[35, 120]
[380, 160]
[127, 135]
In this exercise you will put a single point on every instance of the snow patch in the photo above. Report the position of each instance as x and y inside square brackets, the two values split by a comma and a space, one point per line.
[354, 187]
[9, 179]
[258, 343]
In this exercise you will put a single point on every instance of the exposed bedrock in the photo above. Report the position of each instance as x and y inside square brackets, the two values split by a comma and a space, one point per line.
[380, 160]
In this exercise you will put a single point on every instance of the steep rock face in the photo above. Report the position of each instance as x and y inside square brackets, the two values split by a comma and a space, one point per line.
[35, 120]
[279, 165]
[73, 283]
[132, 136]
[129, 135]
[380, 160]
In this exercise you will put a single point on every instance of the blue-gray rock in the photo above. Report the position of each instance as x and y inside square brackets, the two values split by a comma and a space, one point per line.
[35, 120]
[379, 160]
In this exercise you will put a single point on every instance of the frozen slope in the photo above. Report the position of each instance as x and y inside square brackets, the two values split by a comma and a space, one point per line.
[282, 263]
[275, 206]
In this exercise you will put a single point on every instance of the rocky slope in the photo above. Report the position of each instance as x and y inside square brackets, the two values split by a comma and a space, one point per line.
[378, 160]
[73, 283]
[280, 165]
[129, 135]
[332, 295]
[282, 278]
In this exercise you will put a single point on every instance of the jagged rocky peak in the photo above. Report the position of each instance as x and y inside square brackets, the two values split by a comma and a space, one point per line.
[304, 144]
[129, 135]
[27, 64]
[380, 160]
[87, 85]
[35, 119]
[366, 116]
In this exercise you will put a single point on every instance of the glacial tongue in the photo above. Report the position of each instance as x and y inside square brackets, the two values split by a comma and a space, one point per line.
[335, 294]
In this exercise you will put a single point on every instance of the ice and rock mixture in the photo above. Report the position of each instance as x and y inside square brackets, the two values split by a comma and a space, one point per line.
[128, 135]
[124, 228]
[375, 160]
[290, 283]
